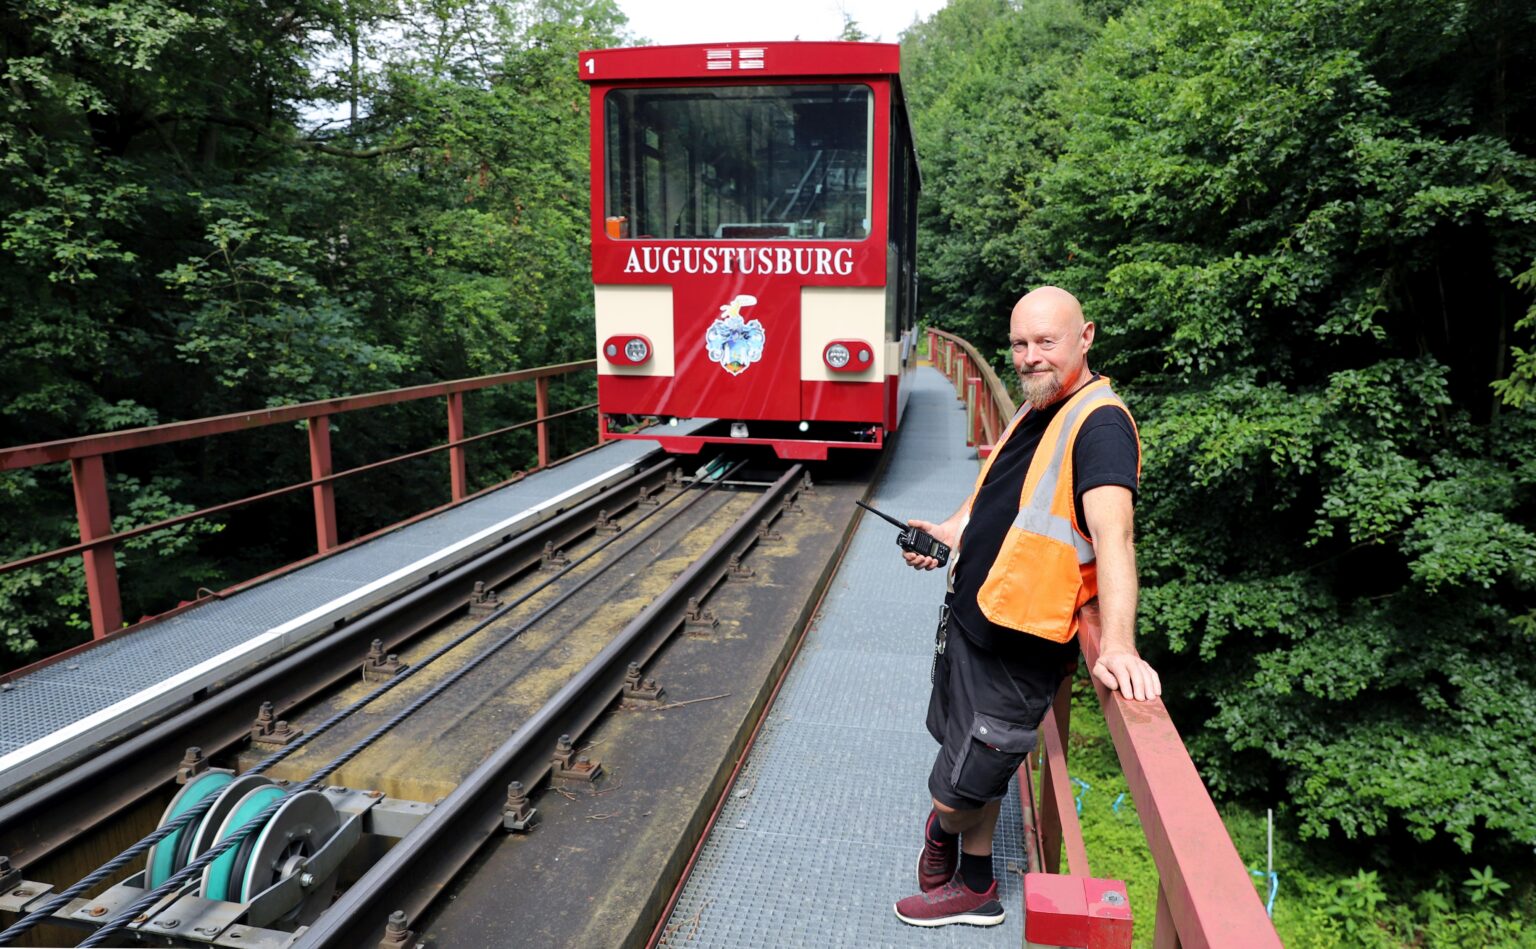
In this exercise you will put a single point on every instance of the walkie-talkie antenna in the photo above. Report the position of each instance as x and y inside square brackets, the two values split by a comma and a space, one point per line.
[911, 539]
[888, 517]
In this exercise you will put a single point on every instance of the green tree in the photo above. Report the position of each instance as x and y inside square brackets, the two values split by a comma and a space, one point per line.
[976, 74]
[216, 206]
[1300, 231]
[1304, 231]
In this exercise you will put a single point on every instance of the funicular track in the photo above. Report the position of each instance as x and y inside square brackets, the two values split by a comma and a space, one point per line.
[35, 824]
[437, 839]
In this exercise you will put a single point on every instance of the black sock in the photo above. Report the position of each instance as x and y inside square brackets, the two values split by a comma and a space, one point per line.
[976, 871]
[938, 834]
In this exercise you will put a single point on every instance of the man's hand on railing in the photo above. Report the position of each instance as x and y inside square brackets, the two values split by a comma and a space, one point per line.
[1129, 674]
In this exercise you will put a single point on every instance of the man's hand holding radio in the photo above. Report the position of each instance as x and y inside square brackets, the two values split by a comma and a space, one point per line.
[947, 533]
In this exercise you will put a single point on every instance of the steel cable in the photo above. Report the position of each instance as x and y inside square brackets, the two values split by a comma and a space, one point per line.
[106, 870]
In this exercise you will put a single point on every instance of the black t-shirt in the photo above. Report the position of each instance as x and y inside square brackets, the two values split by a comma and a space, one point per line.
[1105, 453]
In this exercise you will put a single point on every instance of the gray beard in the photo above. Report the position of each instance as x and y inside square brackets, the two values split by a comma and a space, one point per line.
[1040, 393]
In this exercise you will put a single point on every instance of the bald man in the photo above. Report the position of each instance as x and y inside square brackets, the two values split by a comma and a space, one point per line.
[1017, 583]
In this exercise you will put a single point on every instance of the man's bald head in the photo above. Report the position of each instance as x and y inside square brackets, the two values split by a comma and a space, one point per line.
[1051, 303]
[1050, 340]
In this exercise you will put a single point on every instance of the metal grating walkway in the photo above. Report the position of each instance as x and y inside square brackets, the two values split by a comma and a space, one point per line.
[819, 836]
[63, 708]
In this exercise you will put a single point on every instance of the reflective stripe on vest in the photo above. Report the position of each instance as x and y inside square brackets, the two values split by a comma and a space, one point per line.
[1056, 528]
[1045, 570]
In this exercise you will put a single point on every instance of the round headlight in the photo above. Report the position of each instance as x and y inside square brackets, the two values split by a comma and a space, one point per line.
[837, 355]
[863, 355]
[635, 350]
[611, 350]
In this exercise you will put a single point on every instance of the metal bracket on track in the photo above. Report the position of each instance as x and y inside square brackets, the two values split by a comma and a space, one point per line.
[736, 570]
[519, 812]
[483, 602]
[568, 765]
[553, 560]
[268, 733]
[639, 690]
[378, 667]
[698, 620]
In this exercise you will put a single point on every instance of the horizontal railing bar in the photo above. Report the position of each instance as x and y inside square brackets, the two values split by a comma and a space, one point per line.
[274, 493]
[1210, 896]
[27, 456]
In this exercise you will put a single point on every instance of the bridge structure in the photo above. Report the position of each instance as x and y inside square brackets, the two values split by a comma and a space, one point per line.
[814, 784]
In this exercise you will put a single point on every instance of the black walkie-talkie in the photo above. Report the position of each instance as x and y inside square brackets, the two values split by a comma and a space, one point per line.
[919, 542]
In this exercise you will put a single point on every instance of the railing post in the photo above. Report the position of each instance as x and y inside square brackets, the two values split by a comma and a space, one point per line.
[1050, 809]
[324, 494]
[973, 403]
[95, 516]
[456, 469]
[1050, 820]
[541, 402]
[1165, 932]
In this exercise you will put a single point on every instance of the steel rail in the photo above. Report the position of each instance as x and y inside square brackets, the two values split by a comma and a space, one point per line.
[410, 874]
[181, 883]
[44, 819]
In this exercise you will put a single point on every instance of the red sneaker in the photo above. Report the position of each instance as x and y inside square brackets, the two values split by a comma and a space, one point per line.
[936, 864]
[952, 903]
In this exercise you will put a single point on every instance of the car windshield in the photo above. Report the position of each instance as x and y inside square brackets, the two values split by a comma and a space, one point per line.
[739, 162]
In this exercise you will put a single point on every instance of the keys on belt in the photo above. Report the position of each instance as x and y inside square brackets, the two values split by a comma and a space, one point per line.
[940, 638]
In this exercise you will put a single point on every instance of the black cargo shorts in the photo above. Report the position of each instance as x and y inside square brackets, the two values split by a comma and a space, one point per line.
[984, 712]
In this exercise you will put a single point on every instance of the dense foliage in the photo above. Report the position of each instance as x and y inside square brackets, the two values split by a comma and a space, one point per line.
[1305, 231]
[208, 207]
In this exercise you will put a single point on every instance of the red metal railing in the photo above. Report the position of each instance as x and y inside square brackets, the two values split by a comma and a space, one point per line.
[1205, 895]
[978, 386]
[86, 456]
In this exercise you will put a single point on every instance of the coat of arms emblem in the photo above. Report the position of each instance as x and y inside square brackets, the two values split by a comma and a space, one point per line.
[732, 342]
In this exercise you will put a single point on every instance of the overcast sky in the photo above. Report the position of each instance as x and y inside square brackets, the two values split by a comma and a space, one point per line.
[715, 21]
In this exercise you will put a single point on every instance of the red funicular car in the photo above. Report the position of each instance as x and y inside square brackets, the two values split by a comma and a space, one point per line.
[753, 230]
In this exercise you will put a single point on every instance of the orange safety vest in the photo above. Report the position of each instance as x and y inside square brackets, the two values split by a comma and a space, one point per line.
[1046, 569]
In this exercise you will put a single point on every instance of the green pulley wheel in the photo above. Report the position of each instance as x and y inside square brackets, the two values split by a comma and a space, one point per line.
[171, 854]
[304, 823]
[221, 878]
[206, 832]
